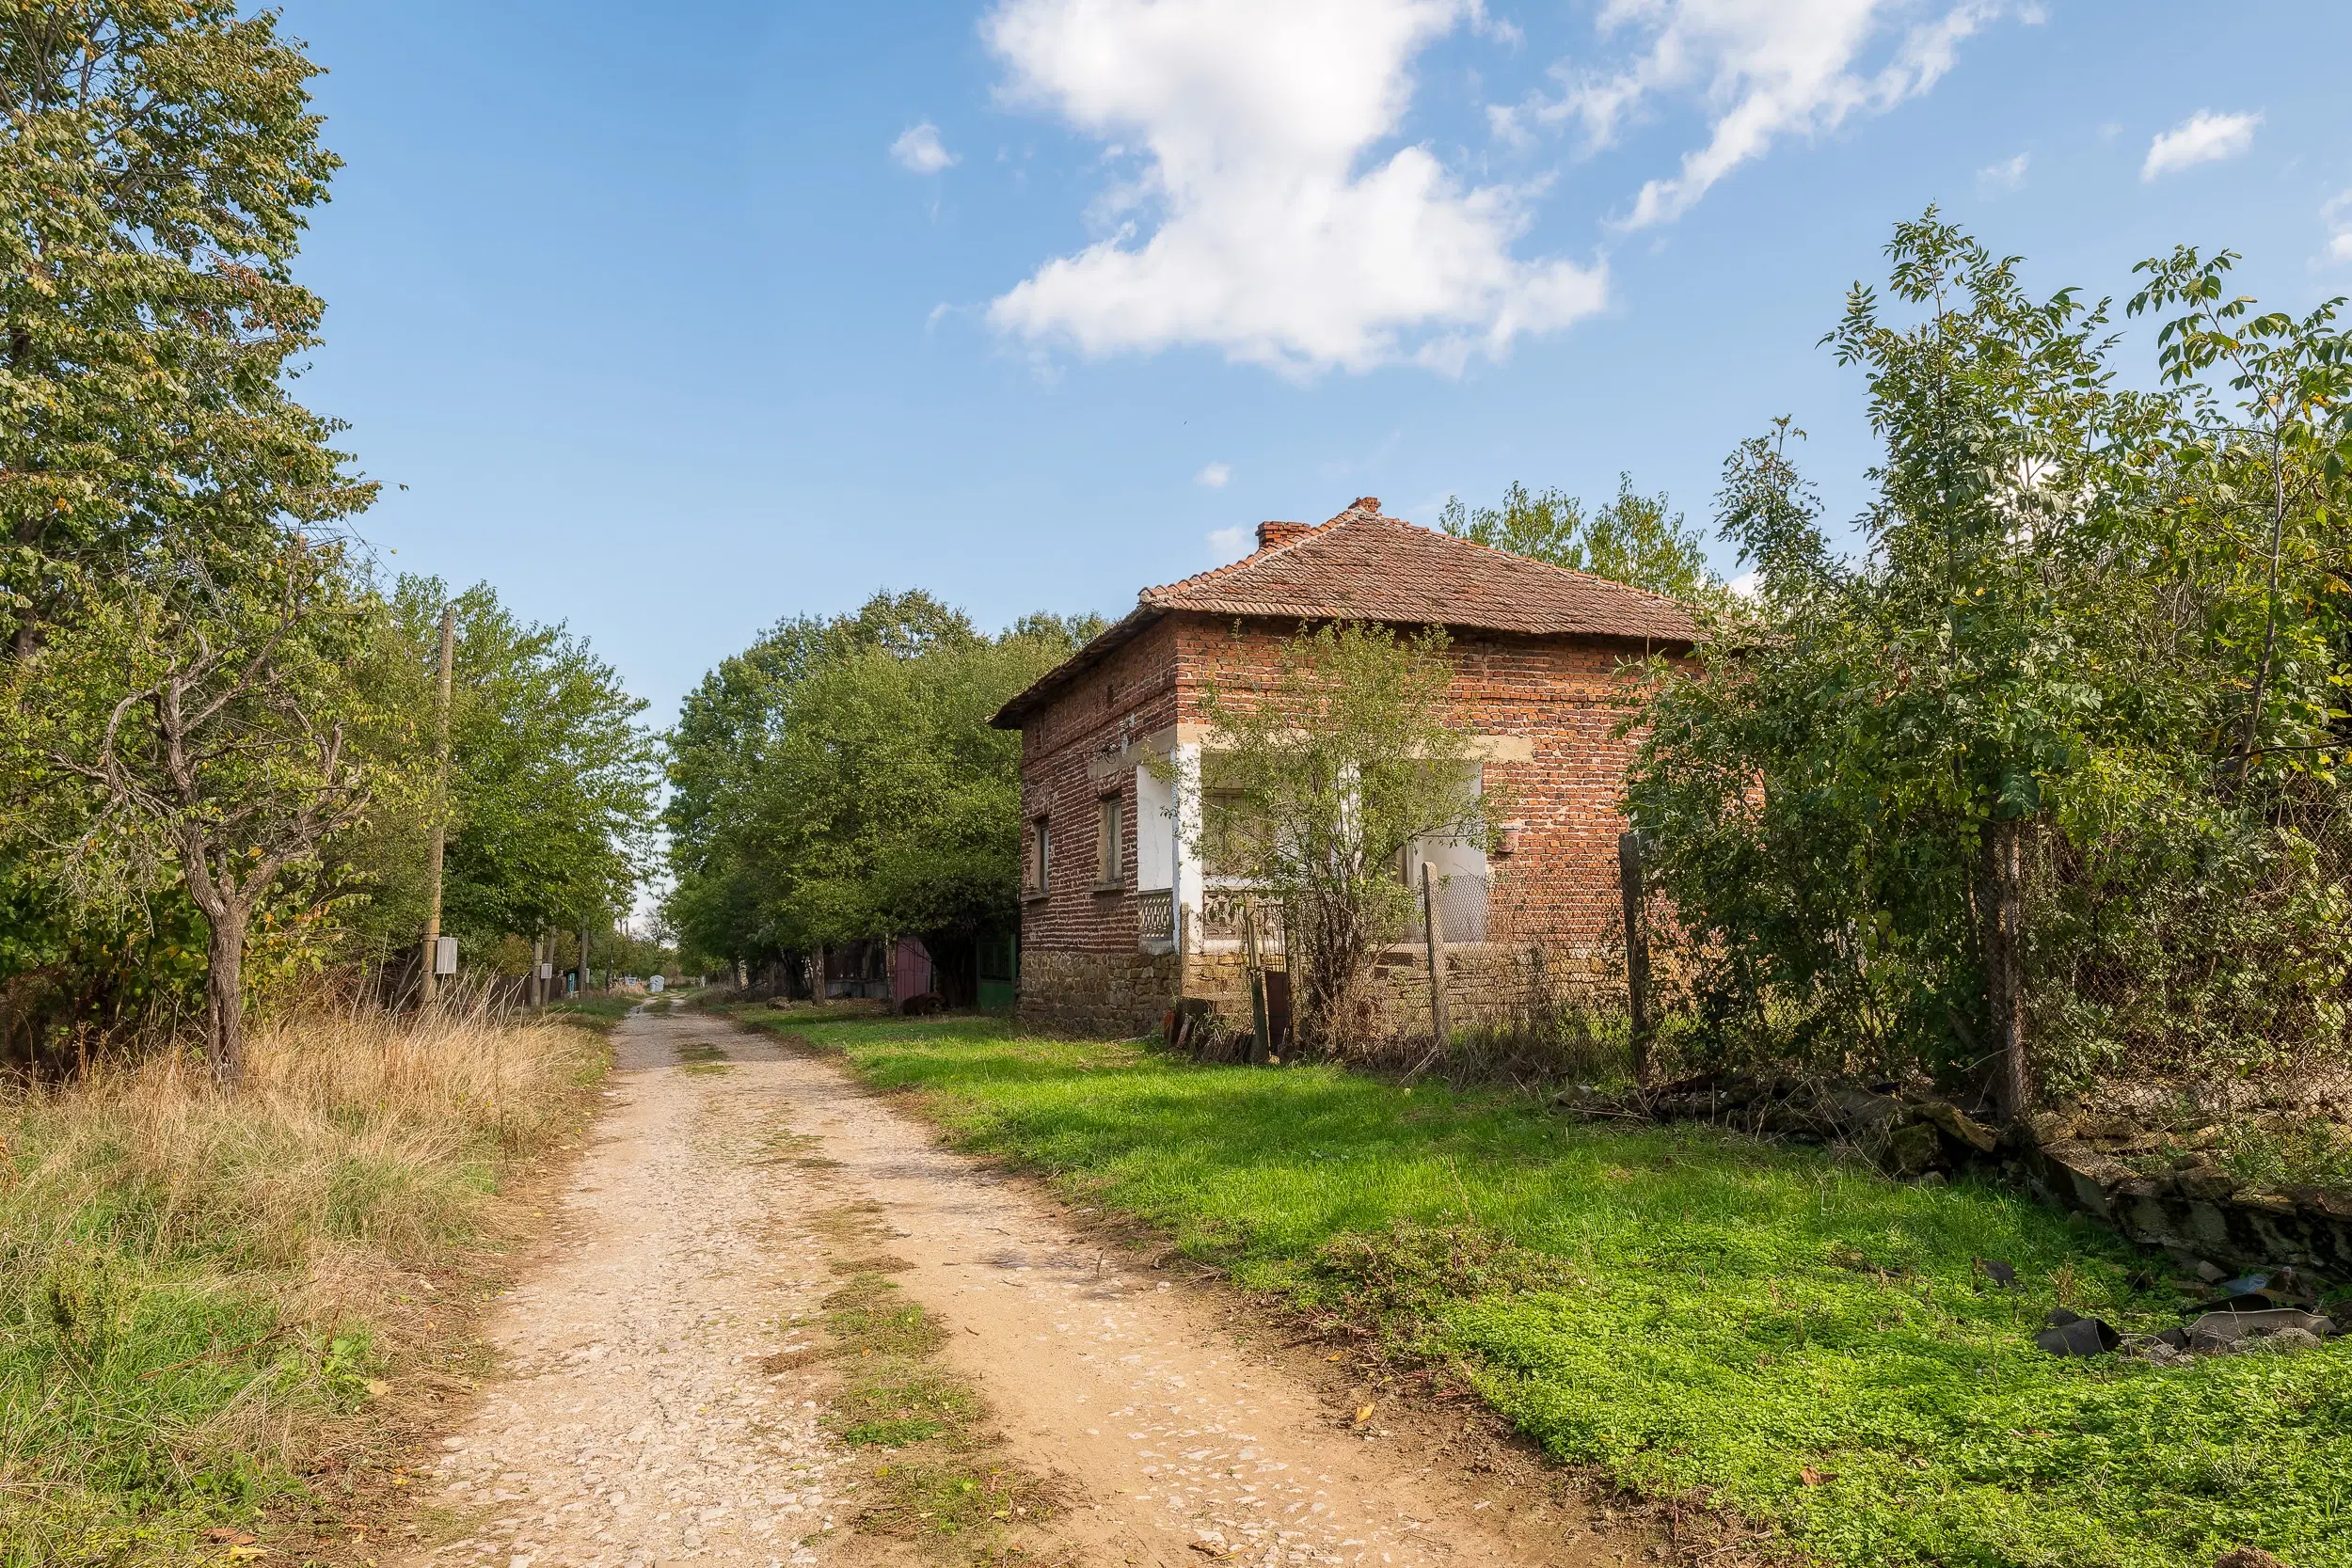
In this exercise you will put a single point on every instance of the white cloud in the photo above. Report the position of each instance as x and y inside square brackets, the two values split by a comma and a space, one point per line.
[2203, 138]
[920, 149]
[1762, 69]
[2009, 176]
[1232, 544]
[2337, 215]
[1251, 218]
[1215, 476]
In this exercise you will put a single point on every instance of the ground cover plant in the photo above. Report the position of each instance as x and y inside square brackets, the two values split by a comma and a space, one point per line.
[597, 1011]
[197, 1288]
[1789, 1336]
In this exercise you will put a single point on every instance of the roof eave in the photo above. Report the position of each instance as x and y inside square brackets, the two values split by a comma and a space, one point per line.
[1049, 685]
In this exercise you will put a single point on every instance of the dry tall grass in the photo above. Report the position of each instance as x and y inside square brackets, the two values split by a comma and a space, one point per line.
[193, 1286]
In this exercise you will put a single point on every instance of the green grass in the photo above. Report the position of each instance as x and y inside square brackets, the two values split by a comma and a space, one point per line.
[596, 1012]
[1686, 1311]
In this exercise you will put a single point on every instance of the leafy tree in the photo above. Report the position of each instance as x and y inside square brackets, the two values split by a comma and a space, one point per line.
[551, 785]
[726, 869]
[551, 777]
[1631, 538]
[236, 751]
[2261, 499]
[1969, 777]
[1317, 784]
[840, 782]
[157, 162]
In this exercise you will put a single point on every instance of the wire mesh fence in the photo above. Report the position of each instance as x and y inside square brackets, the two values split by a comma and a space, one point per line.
[2204, 957]
[2226, 958]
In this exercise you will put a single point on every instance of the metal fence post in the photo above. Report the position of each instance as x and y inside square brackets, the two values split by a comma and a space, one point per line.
[1253, 965]
[1433, 935]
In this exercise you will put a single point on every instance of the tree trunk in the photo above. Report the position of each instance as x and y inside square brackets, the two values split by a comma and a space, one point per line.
[224, 995]
[2003, 903]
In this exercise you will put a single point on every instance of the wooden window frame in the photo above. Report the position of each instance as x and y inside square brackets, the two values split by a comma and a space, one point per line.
[1110, 841]
[1041, 866]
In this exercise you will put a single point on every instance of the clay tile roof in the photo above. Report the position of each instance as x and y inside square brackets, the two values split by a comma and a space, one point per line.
[1364, 566]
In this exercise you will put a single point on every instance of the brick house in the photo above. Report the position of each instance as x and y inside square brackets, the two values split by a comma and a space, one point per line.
[1120, 918]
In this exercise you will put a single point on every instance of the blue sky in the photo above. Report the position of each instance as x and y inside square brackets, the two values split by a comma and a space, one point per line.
[675, 320]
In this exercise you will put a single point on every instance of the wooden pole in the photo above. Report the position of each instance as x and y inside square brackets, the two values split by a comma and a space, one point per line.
[1433, 936]
[2003, 985]
[538, 989]
[432, 986]
[1636, 950]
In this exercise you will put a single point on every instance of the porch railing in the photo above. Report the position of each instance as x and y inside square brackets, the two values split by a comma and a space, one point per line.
[1227, 912]
[1155, 914]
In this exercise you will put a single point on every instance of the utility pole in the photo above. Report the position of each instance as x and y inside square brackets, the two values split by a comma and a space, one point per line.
[584, 955]
[432, 989]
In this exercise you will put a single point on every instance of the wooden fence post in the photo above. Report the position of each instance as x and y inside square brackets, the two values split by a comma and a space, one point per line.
[2004, 984]
[1636, 949]
[1433, 936]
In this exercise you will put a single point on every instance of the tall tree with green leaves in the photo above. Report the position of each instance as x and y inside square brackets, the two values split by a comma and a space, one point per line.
[840, 782]
[1630, 538]
[2261, 505]
[1972, 779]
[243, 742]
[552, 780]
[158, 160]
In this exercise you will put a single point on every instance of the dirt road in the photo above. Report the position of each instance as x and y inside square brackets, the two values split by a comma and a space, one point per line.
[640, 1424]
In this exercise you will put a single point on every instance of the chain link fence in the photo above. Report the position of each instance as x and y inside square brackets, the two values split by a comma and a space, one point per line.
[2219, 967]
[2203, 959]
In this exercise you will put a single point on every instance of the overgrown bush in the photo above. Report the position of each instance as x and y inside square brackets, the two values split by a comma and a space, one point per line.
[2022, 796]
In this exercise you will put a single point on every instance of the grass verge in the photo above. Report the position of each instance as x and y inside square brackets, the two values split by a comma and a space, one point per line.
[597, 1011]
[1774, 1332]
[204, 1297]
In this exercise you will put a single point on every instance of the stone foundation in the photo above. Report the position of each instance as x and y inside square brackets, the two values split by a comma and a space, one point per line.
[1120, 995]
[1488, 983]
[2197, 1215]
[1113, 995]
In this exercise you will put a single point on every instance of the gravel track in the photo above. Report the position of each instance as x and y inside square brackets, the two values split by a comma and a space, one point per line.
[635, 1426]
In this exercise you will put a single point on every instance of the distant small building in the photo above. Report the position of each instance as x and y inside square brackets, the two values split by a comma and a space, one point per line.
[1120, 919]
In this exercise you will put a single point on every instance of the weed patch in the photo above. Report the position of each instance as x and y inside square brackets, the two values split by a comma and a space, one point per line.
[897, 1403]
[198, 1291]
[952, 1500]
[600, 1013]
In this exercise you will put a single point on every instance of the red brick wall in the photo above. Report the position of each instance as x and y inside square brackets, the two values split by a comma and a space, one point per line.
[1130, 695]
[1566, 696]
